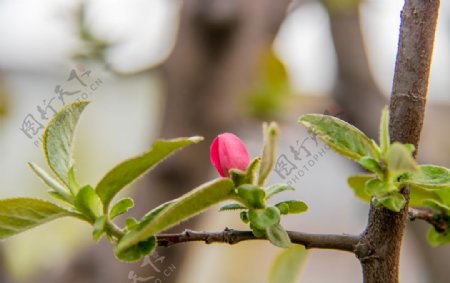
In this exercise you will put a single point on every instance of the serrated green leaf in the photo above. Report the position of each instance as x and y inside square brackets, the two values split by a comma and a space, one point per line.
[62, 192]
[182, 209]
[137, 251]
[58, 139]
[264, 218]
[20, 214]
[358, 184]
[341, 136]
[269, 152]
[278, 188]
[385, 139]
[400, 160]
[436, 239]
[371, 164]
[252, 195]
[88, 203]
[430, 177]
[293, 206]
[232, 206]
[394, 201]
[99, 228]
[278, 236]
[121, 207]
[129, 170]
[288, 265]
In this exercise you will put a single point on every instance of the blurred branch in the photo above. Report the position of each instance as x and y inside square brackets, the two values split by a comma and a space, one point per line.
[347, 243]
[430, 216]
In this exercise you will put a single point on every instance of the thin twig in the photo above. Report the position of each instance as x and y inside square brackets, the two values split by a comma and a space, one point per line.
[428, 215]
[229, 236]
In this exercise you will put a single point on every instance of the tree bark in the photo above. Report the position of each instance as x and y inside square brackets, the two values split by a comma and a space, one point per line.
[384, 232]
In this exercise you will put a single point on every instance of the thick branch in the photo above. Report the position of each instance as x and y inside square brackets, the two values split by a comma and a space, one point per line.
[347, 243]
[428, 215]
[384, 231]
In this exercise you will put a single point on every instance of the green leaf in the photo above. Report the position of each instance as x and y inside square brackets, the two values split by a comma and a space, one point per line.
[436, 205]
[248, 177]
[278, 236]
[419, 194]
[74, 187]
[430, 177]
[341, 136]
[400, 160]
[358, 184]
[129, 170]
[394, 201]
[123, 206]
[288, 264]
[371, 165]
[130, 223]
[258, 233]
[376, 187]
[232, 206]
[293, 206]
[244, 216]
[58, 139]
[278, 188]
[264, 218]
[182, 209]
[20, 214]
[137, 251]
[436, 239]
[88, 203]
[52, 183]
[99, 228]
[385, 139]
[269, 153]
[410, 147]
[252, 195]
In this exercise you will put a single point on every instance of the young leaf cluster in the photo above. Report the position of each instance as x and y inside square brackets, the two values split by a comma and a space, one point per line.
[391, 167]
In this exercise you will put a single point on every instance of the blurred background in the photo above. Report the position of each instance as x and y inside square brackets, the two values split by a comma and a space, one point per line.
[171, 68]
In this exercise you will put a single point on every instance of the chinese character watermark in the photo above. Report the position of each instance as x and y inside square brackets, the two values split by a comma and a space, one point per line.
[155, 261]
[80, 85]
[304, 155]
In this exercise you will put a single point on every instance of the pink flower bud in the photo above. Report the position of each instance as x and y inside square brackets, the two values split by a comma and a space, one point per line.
[229, 152]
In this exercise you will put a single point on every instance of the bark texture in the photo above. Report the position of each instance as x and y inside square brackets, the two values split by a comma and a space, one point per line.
[384, 232]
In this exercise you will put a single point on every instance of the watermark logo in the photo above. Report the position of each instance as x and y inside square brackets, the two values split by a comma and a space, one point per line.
[155, 261]
[304, 155]
[80, 85]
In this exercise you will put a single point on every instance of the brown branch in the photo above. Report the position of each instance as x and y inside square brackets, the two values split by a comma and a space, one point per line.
[430, 216]
[384, 232]
[347, 243]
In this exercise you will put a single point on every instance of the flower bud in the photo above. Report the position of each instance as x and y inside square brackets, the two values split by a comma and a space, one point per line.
[229, 152]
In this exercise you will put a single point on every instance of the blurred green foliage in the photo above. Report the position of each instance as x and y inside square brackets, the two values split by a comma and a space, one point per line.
[4, 101]
[341, 6]
[271, 90]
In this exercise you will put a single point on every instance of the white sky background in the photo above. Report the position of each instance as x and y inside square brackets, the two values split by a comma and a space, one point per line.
[38, 36]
